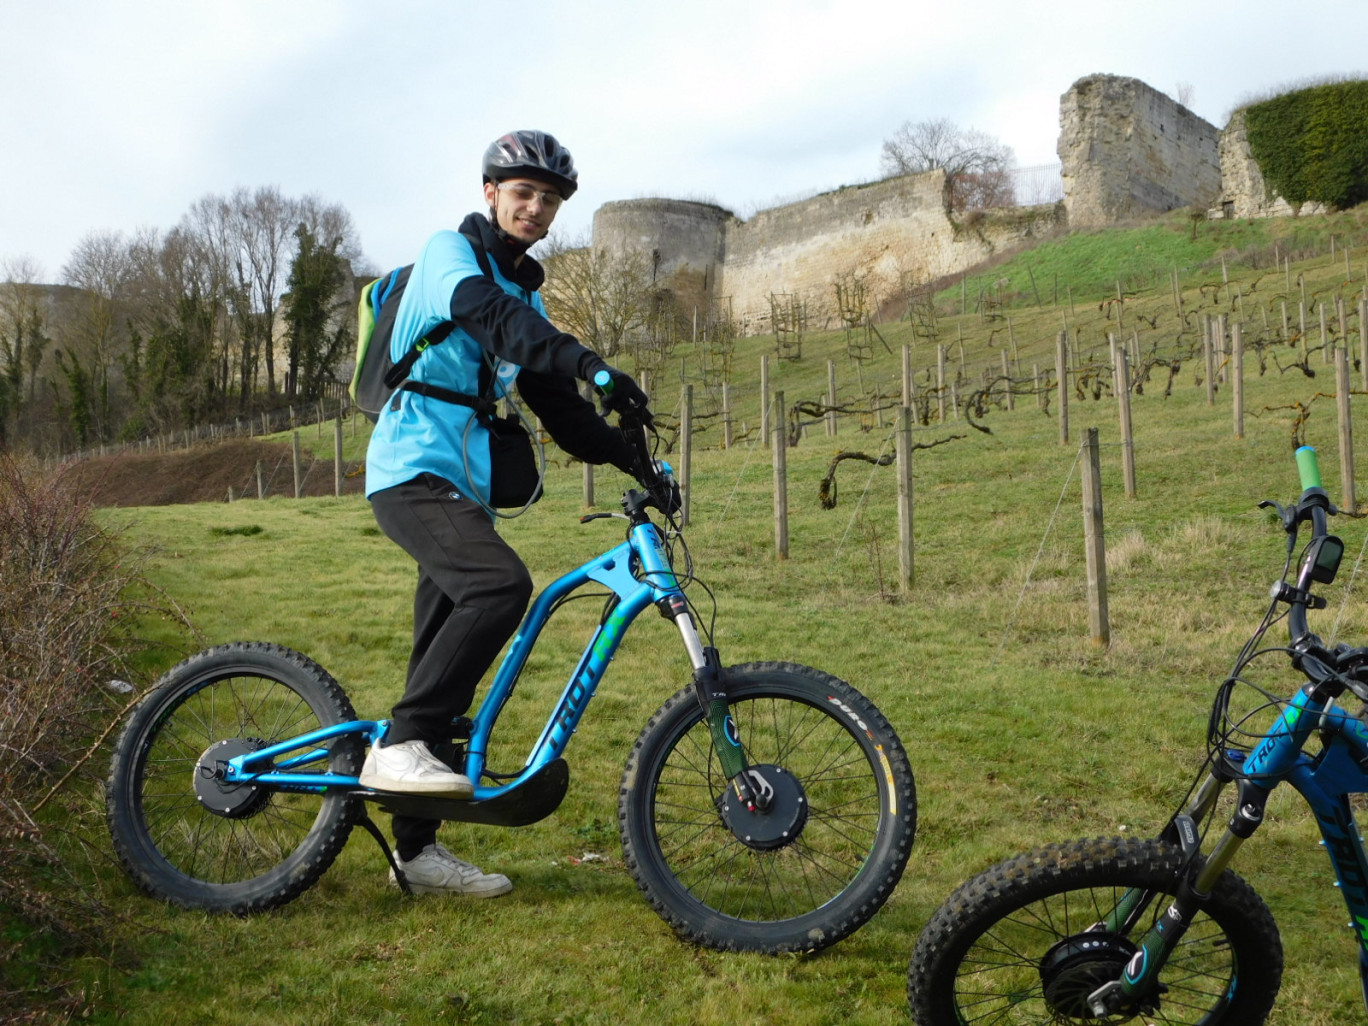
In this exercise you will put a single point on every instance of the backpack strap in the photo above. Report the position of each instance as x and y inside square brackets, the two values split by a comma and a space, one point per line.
[401, 369]
[484, 406]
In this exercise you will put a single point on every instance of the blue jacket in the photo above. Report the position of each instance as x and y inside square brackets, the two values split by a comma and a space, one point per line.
[504, 318]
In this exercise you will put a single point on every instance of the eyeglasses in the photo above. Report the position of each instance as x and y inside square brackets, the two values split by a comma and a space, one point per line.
[526, 194]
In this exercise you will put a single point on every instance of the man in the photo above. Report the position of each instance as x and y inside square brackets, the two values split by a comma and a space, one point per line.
[428, 471]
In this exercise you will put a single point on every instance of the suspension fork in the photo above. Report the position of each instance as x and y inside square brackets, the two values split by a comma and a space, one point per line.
[1137, 981]
[710, 686]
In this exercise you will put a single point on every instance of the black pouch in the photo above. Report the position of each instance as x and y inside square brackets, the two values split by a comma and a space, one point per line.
[514, 477]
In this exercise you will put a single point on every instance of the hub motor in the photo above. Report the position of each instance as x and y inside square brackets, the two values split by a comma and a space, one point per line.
[1076, 966]
[233, 801]
[780, 814]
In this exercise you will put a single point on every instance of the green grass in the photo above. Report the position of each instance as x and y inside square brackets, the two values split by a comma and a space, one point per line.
[1020, 732]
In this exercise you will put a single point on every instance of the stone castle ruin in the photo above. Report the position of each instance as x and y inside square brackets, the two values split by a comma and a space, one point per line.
[1126, 151]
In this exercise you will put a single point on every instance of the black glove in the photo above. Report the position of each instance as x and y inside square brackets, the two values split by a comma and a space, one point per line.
[621, 394]
[664, 489]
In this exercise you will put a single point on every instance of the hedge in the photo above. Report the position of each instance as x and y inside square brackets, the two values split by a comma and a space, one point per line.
[1312, 144]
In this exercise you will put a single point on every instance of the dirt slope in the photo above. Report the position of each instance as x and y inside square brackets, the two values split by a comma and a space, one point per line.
[205, 473]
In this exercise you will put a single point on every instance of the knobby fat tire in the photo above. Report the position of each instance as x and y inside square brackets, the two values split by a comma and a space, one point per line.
[988, 901]
[256, 690]
[818, 728]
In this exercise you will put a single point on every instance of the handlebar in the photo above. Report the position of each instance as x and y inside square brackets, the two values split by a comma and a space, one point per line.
[1320, 562]
[633, 421]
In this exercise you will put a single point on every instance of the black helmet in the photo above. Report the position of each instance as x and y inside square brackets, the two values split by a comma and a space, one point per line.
[532, 155]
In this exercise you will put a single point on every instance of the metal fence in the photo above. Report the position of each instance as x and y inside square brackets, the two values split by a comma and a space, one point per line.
[1039, 185]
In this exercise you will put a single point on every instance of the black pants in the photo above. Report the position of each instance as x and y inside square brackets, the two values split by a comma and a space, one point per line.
[472, 593]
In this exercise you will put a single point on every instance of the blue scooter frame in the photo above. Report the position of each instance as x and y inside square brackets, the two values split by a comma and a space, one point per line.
[637, 572]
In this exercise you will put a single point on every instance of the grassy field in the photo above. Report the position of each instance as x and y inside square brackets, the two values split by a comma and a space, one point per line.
[1019, 730]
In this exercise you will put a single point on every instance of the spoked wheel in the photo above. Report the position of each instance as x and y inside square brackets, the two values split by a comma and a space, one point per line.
[1027, 942]
[184, 834]
[822, 853]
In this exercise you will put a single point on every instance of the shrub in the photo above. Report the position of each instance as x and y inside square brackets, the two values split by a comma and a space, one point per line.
[71, 594]
[1310, 144]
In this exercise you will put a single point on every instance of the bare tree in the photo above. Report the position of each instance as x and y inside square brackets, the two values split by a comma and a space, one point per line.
[23, 339]
[330, 224]
[206, 254]
[604, 298]
[976, 164]
[102, 268]
[173, 365]
[22, 318]
[262, 233]
[320, 288]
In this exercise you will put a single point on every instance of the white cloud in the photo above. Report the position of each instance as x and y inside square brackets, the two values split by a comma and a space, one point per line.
[120, 115]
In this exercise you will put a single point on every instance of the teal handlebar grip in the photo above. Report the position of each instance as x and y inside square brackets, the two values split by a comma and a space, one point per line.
[1308, 468]
[603, 381]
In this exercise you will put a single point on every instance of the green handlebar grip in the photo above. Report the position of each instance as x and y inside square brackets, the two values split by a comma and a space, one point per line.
[1308, 467]
[603, 381]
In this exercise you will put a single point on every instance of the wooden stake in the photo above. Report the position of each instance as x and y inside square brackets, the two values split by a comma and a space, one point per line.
[1094, 542]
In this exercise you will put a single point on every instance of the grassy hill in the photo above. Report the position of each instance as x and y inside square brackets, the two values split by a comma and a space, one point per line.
[1020, 731]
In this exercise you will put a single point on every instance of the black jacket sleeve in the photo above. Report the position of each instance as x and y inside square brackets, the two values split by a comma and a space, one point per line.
[572, 420]
[512, 330]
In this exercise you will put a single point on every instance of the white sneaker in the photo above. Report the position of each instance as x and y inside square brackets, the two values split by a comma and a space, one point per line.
[434, 870]
[410, 768]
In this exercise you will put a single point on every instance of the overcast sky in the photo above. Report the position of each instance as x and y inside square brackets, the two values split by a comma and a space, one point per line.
[117, 115]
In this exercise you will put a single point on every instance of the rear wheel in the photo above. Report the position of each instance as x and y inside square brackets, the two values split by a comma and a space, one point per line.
[187, 837]
[811, 867]
[1025, 942]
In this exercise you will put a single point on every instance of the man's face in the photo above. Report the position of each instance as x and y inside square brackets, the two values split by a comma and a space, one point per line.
[525, 207]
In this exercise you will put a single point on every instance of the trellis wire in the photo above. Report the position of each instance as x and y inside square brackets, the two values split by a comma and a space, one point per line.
[850, 525]
[1049, 529]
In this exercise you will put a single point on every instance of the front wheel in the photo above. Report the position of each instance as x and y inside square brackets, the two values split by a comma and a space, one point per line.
[1026, 942]
[189, 838]
[823, 855]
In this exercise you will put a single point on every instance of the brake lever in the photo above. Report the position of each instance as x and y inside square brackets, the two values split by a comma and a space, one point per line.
[1351, 664]
[1287, 514]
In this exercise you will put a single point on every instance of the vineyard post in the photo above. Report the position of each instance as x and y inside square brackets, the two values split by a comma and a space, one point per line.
[1221, 351]
[1346, 430]
[685, 454]
[726, 416]
[764, 400]
[831, 399]
[1121, 365]
[337, 453]
[1210, 359]
[904, 448]
[1237, 376]
[1094, 542]
[1062, 383]
[907, 387]
[294, 451]
[1007, 377]
[1363, 340]
[940, 383]
[780, 442]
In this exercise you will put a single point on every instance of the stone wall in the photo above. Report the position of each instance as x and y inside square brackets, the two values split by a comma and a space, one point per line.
[1243, 190]
[884, 236]
[683, 241]
[1128, 150]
